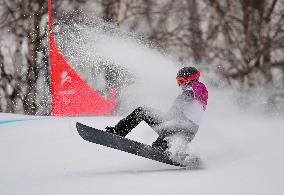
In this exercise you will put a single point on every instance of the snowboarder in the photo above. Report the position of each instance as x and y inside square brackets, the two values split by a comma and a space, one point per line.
[182, 120]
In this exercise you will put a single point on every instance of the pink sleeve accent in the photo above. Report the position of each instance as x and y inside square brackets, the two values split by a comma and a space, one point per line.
[200, 93]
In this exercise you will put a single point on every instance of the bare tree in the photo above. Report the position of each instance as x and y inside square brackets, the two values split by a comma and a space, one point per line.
[111, 9]
[249, 38]
[26, 20]
[174, 25]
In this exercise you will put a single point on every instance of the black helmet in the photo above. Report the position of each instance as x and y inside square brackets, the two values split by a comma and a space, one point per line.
[187, 74]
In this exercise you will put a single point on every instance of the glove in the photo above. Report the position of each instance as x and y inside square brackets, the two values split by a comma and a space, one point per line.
[189, 93]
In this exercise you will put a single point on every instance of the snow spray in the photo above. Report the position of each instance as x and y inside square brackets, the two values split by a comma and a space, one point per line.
[86, 45]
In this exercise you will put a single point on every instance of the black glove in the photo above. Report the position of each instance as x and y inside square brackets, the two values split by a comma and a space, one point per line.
[189, 93]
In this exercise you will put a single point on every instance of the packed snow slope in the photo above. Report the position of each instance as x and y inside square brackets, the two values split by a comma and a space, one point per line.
[242, 153]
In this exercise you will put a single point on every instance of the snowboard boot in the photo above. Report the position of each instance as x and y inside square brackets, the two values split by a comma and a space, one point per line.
[124, 126]
[115, 131]
[160, 144]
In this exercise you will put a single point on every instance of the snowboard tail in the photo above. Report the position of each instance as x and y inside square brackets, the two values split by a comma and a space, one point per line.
[123, 144]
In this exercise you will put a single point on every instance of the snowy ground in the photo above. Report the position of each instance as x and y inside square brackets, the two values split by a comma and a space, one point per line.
[244, 154]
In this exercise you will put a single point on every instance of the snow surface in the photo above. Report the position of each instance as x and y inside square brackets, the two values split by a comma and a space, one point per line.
[243, 154]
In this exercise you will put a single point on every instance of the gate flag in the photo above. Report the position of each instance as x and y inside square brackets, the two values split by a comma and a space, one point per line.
[71, 95]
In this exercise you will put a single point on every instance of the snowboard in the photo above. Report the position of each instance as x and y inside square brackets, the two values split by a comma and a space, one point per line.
[123, 144]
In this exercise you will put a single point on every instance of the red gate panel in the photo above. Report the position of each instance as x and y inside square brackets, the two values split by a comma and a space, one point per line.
[70, 94]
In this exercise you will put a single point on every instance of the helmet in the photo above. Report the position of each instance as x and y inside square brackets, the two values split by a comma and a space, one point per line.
[187, 75]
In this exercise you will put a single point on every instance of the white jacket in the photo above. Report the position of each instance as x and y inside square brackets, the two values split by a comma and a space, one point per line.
[184, 117]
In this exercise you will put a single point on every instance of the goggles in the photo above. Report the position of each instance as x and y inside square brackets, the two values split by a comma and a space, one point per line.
[187, 79]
